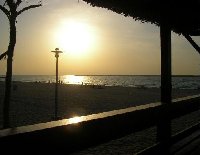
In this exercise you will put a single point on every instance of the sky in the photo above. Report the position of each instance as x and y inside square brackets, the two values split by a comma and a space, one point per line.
[94, 41]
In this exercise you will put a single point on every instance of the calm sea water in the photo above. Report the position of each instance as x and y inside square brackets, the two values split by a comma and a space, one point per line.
[181, 82]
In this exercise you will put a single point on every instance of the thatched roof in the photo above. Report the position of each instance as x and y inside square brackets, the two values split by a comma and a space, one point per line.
[183, 16]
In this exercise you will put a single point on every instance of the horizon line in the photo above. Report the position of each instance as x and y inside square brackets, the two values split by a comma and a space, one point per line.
[103, 75]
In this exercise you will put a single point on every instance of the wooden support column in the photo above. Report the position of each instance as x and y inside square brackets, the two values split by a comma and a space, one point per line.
[166, 74]
[164, 123]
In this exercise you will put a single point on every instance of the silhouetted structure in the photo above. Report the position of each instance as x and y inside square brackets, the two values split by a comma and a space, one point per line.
[56, 84]
[182, 16]
[12, 9]
[179, 16]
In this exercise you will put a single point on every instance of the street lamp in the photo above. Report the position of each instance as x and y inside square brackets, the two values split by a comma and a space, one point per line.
[56, 85]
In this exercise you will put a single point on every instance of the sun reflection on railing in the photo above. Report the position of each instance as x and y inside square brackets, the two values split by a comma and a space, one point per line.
[75, 120]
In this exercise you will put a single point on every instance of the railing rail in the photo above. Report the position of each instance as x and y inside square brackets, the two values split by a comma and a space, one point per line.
[74, 134]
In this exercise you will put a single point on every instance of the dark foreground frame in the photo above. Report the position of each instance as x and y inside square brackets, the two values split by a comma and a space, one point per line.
[75, 134]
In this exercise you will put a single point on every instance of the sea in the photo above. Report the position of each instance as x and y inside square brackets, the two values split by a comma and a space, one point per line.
[144, 81]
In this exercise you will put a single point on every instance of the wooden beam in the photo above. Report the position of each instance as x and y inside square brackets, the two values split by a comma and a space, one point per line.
[164, 125]
[192, 42]
[166, 86]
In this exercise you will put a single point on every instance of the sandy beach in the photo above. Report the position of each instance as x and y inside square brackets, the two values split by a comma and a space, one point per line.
[34, 103]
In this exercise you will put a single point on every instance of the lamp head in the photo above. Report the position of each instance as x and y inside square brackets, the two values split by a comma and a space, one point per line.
[57, 52]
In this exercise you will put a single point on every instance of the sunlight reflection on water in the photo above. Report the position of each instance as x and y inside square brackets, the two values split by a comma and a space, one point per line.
[73, 79]
[180, 82]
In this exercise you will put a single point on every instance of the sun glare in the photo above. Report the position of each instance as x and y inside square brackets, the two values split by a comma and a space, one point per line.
[75, 120]
[72, 79]
[74, 37]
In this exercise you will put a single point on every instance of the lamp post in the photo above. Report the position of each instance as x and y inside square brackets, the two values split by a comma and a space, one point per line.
[56, 84]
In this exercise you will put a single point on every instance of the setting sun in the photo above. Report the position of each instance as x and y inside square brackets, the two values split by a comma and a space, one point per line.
[74, 37]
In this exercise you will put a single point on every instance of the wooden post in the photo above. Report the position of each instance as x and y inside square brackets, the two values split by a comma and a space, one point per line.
[164, 123]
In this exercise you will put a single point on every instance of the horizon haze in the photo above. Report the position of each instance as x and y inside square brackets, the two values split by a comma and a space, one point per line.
[94, 41]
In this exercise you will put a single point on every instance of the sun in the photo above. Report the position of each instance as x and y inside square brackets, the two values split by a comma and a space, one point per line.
[74, 37]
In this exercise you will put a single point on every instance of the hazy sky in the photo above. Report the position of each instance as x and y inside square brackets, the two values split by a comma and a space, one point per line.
[94, 41]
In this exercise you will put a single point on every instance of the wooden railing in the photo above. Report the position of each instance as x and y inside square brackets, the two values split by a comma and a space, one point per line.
[74, 134]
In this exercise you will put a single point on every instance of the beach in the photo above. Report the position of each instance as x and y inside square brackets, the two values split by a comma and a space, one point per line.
[34, 102]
